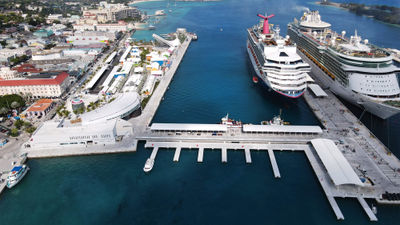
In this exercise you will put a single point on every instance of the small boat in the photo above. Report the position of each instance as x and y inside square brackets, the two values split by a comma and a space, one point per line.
[230, 122]
[152, 27]
[277, 120]
[194, 37]
[148, 166]
[16, 175]
[255, 79]
[374, 209]
[159, 13]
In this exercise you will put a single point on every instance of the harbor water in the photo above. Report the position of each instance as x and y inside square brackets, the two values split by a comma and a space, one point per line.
[213, 79]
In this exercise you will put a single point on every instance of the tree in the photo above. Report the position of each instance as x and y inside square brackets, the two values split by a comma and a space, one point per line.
[15, 105]
[18, 124]
[14, 132]
[3, 110]
[30, 129]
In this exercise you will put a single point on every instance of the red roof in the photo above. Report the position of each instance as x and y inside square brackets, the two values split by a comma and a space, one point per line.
[27, 68]
[40, 105]
[28, 82]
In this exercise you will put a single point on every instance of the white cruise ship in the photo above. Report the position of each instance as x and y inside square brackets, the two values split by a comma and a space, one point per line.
[275, 60]
[359, 72]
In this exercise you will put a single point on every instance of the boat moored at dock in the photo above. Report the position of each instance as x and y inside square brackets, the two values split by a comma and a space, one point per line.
[352, 68]
[275, 60]
[148, 166]
[16, 175]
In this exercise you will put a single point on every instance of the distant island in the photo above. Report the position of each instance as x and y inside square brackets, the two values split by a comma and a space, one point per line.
[384, 13]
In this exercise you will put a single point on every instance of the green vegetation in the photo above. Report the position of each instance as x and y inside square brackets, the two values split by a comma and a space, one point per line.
[143, 54]
[8, 102]
[384, 13]
[30, 130]
[144, 102]
[182, 38]
[18, 124]
[18, 59]
[393, 103]
[14, 132]
[62, 111]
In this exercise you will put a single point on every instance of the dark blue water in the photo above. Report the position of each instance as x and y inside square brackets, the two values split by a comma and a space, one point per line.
[213, 79]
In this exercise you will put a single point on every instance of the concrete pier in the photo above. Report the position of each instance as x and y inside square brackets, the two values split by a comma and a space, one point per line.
[200, 155]
[367, 209]
[273, 163]
[224, 155]
[154, 153]
[247, 155]
[335, 207]
[177, 154]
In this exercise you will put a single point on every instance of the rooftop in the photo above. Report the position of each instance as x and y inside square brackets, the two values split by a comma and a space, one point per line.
[55, 80]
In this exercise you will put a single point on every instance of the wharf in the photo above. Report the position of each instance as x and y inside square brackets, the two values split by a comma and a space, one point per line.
[7, 162]
[142, 121]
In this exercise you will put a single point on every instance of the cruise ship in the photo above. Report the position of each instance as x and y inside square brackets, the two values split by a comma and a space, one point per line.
[359, 72]
[275, 60]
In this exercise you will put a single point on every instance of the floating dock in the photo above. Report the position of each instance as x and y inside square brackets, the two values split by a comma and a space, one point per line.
[273, 163]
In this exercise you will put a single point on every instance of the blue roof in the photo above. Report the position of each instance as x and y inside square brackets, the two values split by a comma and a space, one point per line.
[16, 168]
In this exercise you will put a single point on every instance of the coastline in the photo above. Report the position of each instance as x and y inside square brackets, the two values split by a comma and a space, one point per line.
[338, 5]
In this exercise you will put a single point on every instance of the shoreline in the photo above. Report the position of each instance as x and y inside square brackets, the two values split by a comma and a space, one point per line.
[338, 5]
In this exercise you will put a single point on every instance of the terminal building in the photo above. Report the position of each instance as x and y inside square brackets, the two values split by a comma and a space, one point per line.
[53, 134]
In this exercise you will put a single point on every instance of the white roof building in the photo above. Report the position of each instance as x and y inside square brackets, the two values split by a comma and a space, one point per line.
[53, 134]
[335, 163]
[123, 105]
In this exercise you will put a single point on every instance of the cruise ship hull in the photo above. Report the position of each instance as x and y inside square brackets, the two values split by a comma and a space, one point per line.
[258, 70]
[380, 110]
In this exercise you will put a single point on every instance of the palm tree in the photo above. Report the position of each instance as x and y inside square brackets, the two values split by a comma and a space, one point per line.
[3, 110]
[15, 105]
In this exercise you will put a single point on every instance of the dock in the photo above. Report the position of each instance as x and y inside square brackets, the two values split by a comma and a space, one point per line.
[154, 153]
[273, 163]
[200, 155]
[335, 207]
[367, 209]
[177, 154]
[247, 155]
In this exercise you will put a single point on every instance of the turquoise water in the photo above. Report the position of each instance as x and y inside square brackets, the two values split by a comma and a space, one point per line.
[213, 79]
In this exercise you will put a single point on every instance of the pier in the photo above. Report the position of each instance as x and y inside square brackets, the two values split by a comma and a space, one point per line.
[200, 155]
[224, 155]
[247, 155]
[274, 164]
[367, 209]
[177, 154]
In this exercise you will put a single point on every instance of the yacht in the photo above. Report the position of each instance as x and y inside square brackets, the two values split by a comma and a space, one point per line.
[148, 166]
[16, 175]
